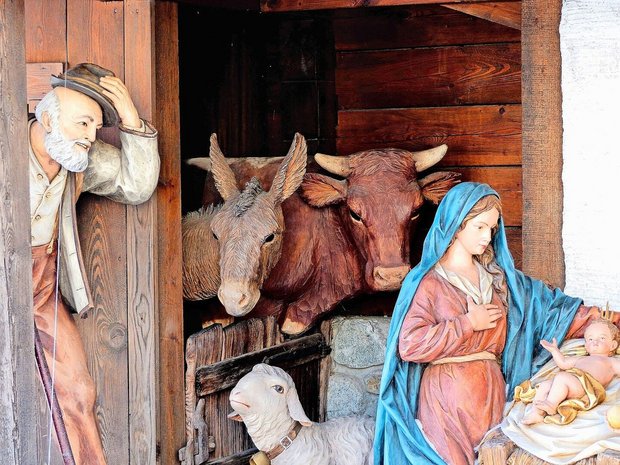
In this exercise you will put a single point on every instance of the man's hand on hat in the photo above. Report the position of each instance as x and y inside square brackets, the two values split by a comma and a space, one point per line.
[116, 91]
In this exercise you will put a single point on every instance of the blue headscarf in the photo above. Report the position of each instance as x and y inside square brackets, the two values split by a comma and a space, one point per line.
[535, 312]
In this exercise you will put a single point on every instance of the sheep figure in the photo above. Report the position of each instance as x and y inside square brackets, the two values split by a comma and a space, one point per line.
[266, 401]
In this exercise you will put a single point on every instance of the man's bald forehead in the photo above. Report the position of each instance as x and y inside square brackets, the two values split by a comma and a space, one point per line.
[75, 101]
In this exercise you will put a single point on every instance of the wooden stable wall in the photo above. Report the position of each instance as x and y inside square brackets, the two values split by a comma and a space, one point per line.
[419, 76]
[134, 337]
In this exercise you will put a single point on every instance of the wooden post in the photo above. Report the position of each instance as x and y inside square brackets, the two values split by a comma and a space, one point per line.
[17, 373]
[141, 250]
[168, 121]
[543, 256]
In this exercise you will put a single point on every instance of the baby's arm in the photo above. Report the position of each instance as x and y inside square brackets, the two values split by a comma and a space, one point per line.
[562, 362]
[615, 364]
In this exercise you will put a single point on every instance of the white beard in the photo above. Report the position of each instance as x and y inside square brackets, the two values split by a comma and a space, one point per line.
[64, 151]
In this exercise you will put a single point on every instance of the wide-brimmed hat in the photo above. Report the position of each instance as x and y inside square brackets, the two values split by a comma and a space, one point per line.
[85, 79]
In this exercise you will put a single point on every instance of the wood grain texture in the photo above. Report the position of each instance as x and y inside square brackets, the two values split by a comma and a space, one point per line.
[543, 193]
[303, 5]
[17, 362]
[38, 81]
[476, 74]
[46, 31]
[359, 130]
[170, 292]
[414, 26]
[505, 13]
[142, 327]
[102, 223]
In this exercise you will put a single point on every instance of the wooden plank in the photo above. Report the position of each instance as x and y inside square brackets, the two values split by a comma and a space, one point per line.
[141, 249]
[477, 74]
[506, 180]
[17, 373]
[325, 366]
[170, 294]
[240, 338]
[46, 24]
[506, 13]
[102, 224]
[465, 150]
[38, 81]
[478, 135]
[416, 26]
[543, 193]
[271, 6]
[393, 125]
[225, 374]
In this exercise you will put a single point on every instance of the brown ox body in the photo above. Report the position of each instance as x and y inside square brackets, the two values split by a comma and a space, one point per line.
[344, 236]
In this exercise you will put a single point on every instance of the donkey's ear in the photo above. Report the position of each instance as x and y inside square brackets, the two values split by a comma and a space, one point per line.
[225, 181]
[291, 171]
[234, 416]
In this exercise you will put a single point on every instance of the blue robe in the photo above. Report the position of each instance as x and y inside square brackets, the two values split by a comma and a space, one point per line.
[535, 312]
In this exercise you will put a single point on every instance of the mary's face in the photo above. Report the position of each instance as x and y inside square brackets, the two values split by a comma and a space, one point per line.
[477, 233]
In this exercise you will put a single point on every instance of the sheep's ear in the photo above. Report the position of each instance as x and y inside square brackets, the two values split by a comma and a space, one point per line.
[235, 416]
[295, 409]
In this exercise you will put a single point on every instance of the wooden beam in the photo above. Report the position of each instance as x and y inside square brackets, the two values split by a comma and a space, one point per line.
[167, 118]
[505, 13]
[301, 5]
[17, 374]
[225, 374]
[244, 5]
[543, 256]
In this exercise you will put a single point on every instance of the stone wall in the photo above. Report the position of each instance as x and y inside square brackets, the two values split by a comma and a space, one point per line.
[358, 352]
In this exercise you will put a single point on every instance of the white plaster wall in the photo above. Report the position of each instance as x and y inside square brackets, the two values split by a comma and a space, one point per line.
[590, 46]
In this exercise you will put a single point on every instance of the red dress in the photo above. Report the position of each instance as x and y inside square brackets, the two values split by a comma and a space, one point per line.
[459, 402]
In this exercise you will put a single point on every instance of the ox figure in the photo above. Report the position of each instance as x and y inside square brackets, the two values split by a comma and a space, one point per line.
[344, 236]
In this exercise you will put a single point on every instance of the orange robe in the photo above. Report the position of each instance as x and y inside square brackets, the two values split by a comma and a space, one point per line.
[459, 402]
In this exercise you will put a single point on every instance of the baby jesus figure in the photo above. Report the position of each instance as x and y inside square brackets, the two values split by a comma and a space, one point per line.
[581, 383]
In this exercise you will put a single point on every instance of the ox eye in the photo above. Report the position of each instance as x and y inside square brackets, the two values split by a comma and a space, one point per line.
[269, 238]
[355, 216]
[279, 389]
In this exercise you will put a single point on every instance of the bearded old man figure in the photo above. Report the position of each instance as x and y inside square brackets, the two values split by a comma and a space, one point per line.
[65, 160]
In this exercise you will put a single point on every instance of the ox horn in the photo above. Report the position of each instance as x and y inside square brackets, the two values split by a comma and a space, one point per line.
[335, 165]
[427, 158]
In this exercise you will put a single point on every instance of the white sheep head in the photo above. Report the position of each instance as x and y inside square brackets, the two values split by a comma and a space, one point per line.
[266, 395]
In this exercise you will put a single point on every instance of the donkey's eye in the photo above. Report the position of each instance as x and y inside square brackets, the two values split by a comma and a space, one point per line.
[214, 236]
[355, 216]
[279, 389]
[269, 238]
[415, 216]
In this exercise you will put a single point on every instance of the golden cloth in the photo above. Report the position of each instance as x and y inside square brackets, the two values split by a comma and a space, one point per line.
[569, 408]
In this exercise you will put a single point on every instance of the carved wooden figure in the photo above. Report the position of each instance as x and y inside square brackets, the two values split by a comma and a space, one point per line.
[344, 235]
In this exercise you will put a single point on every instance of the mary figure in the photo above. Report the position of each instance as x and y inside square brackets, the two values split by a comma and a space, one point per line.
[465, 331]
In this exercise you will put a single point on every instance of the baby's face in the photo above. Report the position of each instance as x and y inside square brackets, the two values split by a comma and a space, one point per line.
[599, 340]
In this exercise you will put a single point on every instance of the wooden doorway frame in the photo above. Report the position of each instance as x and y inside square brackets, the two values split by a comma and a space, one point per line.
[542, 193]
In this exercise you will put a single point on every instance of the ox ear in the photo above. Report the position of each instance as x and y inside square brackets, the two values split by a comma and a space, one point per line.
[225, 181]
[234, 416]
[291, 171]
[436, 185]
[319, 190]
[295, 410]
